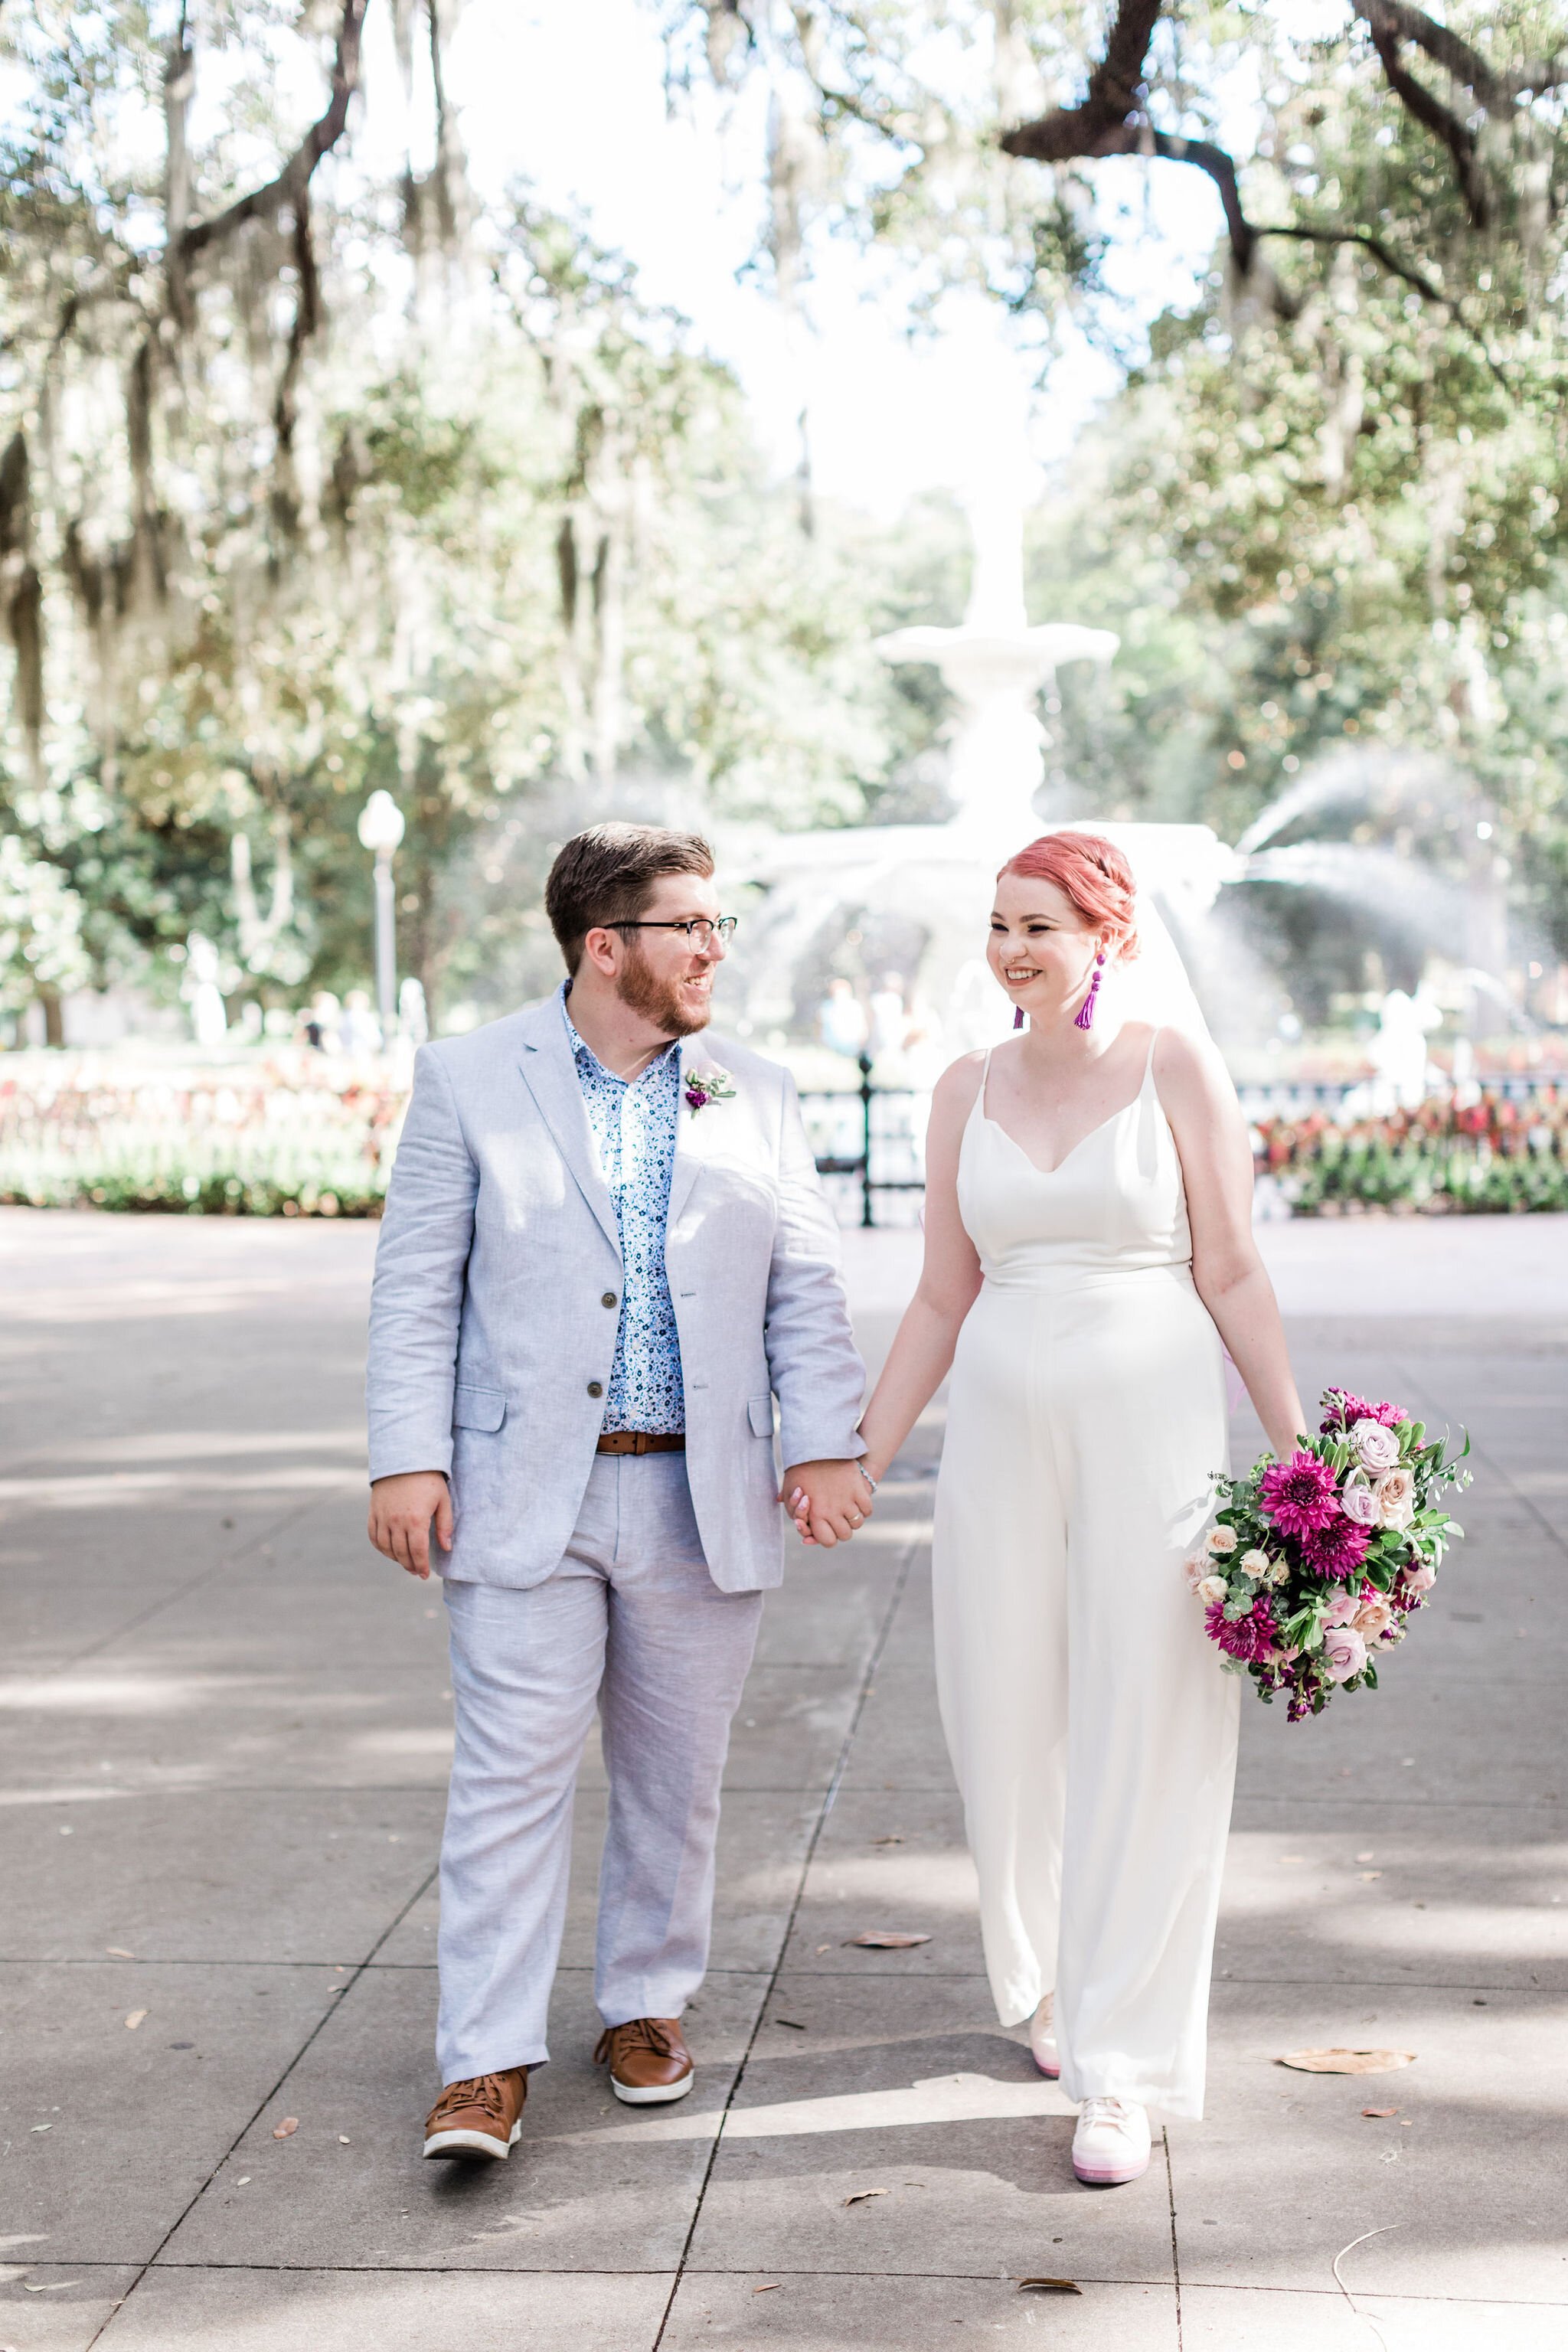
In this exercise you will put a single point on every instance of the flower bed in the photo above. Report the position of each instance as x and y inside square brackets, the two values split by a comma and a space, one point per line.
[264, 1142]
[1491, 1156]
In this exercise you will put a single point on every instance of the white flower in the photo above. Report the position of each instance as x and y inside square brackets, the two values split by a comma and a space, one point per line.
[1376, 1448]
[1222, 1540]
[1214, 1588]
[1255, 1563]
[1394, 1495]
[1280, 1571]
[1357, 1500]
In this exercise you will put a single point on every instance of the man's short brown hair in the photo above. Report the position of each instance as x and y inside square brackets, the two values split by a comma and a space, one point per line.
[607, 876]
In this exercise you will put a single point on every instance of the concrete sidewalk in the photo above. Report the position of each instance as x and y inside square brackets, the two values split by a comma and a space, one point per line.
[226, 1726]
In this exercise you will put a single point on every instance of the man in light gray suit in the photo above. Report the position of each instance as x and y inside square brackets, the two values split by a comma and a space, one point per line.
[606, 1254]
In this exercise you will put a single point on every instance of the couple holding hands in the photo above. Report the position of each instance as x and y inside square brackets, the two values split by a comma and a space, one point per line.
[607, 1269]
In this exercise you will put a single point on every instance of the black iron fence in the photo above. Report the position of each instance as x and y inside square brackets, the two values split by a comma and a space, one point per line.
[869, 1140]
[866, 1146]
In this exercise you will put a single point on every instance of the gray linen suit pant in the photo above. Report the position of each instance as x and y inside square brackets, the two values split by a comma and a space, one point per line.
[632, 1622]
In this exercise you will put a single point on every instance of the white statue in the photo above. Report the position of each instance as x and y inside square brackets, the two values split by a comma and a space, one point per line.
[209, 1019]
[1398, 1052]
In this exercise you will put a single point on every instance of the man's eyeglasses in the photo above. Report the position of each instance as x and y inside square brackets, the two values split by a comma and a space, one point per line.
[699, 929]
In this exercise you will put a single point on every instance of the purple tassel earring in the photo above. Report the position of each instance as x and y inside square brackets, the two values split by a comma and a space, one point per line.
[1084, 1018]
[1018, 1017]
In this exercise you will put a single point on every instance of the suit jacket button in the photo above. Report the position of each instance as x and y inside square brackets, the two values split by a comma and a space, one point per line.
[609, 1299]
[596, 1387]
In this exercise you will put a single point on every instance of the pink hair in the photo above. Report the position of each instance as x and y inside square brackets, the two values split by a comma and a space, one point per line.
[1092, 873]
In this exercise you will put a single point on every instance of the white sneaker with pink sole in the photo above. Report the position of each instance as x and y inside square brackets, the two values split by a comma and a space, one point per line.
[1111, 2145]
[1043, 2039]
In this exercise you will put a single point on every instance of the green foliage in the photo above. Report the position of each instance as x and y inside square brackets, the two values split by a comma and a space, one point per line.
[516, 558]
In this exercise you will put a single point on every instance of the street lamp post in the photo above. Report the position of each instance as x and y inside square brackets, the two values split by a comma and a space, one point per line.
[380, 831]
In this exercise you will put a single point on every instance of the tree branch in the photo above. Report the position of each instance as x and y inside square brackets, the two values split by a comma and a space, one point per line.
[1404, 270]
[1424, 286]
[1115, 87]
[1419, 103]
[1498, 93]
[1073, 134]
[1112, 119]
[291, 181]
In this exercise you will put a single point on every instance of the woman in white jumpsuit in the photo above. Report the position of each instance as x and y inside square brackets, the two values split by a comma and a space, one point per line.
[1089, 1245]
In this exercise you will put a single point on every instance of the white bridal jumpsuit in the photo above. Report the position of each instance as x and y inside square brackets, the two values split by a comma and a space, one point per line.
[1091, 1729]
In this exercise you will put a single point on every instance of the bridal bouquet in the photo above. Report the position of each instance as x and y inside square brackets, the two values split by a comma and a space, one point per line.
[1314, 1565]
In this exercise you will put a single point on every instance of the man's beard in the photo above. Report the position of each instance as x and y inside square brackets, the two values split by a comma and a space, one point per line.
[657, 999]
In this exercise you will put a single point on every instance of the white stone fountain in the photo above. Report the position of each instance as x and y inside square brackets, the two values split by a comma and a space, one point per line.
[820, 887]
[996, 666]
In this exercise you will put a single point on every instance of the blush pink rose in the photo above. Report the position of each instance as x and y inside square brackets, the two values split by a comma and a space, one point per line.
[1344, 1653]
[1376, 1448]
[1357, 1500]
[1373, 1620]
[1421, 1578]
[1395, 1497]
[1342, 1608]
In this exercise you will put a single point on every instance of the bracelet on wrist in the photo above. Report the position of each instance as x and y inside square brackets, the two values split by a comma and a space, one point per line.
[866, 1475]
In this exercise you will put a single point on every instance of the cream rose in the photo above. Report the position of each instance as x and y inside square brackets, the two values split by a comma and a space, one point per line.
[1255, 1563]
[1373, 1620]
[1214, 1588]
[1357, 1500]
[1222, 1540]
[1394, 1495]
[1376, 1448]
[1280, 1571]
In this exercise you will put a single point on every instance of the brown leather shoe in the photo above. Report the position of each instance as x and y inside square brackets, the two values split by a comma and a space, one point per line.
[649, 2062]
[482, 2116]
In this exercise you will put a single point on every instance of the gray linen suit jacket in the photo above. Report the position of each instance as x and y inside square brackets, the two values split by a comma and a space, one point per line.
[497, 1296]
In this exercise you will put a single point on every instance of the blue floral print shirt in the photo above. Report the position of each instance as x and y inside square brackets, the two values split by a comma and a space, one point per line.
[634, 1127]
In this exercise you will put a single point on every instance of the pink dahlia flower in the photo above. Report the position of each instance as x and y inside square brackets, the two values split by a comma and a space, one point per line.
[1251, 1637]
[1336, 1550]
[1299, 1495]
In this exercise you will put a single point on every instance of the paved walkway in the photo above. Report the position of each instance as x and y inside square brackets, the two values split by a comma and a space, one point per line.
[225, 1729]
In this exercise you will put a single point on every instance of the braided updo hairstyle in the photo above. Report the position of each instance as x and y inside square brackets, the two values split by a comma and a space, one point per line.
[1091, 872]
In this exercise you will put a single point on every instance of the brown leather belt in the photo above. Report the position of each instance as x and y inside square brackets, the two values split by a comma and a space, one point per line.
[640, 1441]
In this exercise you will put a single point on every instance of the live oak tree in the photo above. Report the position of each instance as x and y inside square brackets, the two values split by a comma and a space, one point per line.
[1328, 511]
[312, 484]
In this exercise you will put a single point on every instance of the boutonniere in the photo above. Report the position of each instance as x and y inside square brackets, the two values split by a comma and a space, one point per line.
[706, 1083]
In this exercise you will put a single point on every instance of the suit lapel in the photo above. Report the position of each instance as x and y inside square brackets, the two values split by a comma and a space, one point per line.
[694, 1130]
[550, 1075]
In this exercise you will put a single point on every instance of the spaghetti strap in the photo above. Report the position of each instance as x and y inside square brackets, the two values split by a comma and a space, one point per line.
[1149, 1064]
[984, 1078]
